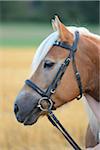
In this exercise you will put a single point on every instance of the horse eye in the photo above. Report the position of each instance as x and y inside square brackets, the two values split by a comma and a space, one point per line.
[48, 64]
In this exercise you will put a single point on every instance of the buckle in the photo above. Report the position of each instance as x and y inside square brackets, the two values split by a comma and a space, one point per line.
[77, 75]
[79, 97]
[49, 104]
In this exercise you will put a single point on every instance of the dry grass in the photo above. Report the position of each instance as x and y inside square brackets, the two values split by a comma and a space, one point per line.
[14, 69]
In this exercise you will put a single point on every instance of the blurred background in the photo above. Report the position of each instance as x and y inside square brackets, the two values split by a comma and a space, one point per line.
[23, 26]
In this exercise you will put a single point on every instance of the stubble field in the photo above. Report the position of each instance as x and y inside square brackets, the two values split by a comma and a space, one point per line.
[15, 64]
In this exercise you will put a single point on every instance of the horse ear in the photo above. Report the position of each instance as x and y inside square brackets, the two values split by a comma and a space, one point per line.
[64, 34]
[54, 25]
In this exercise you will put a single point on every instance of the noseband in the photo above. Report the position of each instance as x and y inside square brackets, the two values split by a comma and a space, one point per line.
[52, 87]
[46, 96]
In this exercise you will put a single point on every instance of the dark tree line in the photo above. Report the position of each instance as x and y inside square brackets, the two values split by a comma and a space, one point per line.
[43, 11]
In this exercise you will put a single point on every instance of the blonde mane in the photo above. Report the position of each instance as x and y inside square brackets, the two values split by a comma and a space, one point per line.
[45, 46]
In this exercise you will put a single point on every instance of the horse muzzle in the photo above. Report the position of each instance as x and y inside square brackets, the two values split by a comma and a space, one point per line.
[25, 108]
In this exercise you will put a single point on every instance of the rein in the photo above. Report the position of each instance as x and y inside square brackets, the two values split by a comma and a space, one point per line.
[55, 122]
[46, 96]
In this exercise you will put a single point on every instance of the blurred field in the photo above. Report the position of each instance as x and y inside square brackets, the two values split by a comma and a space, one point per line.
[14, 69]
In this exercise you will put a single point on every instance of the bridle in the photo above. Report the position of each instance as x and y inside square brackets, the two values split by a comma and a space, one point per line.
[46, 96]
[52, 87]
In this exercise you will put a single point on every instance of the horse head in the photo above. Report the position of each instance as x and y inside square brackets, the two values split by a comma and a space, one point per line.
[47, 61]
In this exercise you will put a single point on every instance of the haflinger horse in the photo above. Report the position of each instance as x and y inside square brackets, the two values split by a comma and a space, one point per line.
[72, 52]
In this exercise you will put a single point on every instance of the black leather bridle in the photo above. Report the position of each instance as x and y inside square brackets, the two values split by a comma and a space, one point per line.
[52, 87]
[46, 96]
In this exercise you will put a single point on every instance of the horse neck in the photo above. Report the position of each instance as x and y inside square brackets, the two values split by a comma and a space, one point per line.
[90, 49]
[93, 120]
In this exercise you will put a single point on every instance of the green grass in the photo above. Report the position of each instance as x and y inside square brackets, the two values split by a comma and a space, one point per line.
[28, 34]
[23, 34]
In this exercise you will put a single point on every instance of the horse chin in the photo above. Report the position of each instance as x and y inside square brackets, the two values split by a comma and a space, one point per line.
[31, 121]
[32, 118]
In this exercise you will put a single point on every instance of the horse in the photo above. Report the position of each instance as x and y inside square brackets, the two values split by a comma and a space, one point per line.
[72, 52]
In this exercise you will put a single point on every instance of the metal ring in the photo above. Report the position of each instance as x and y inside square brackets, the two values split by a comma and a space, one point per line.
[46, 99]
[68, 59]
[52, 91]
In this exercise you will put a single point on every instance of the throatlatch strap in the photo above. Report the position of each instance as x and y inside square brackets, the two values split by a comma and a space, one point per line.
[77, 75]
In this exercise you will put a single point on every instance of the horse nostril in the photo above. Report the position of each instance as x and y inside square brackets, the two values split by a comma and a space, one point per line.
[16, 109]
